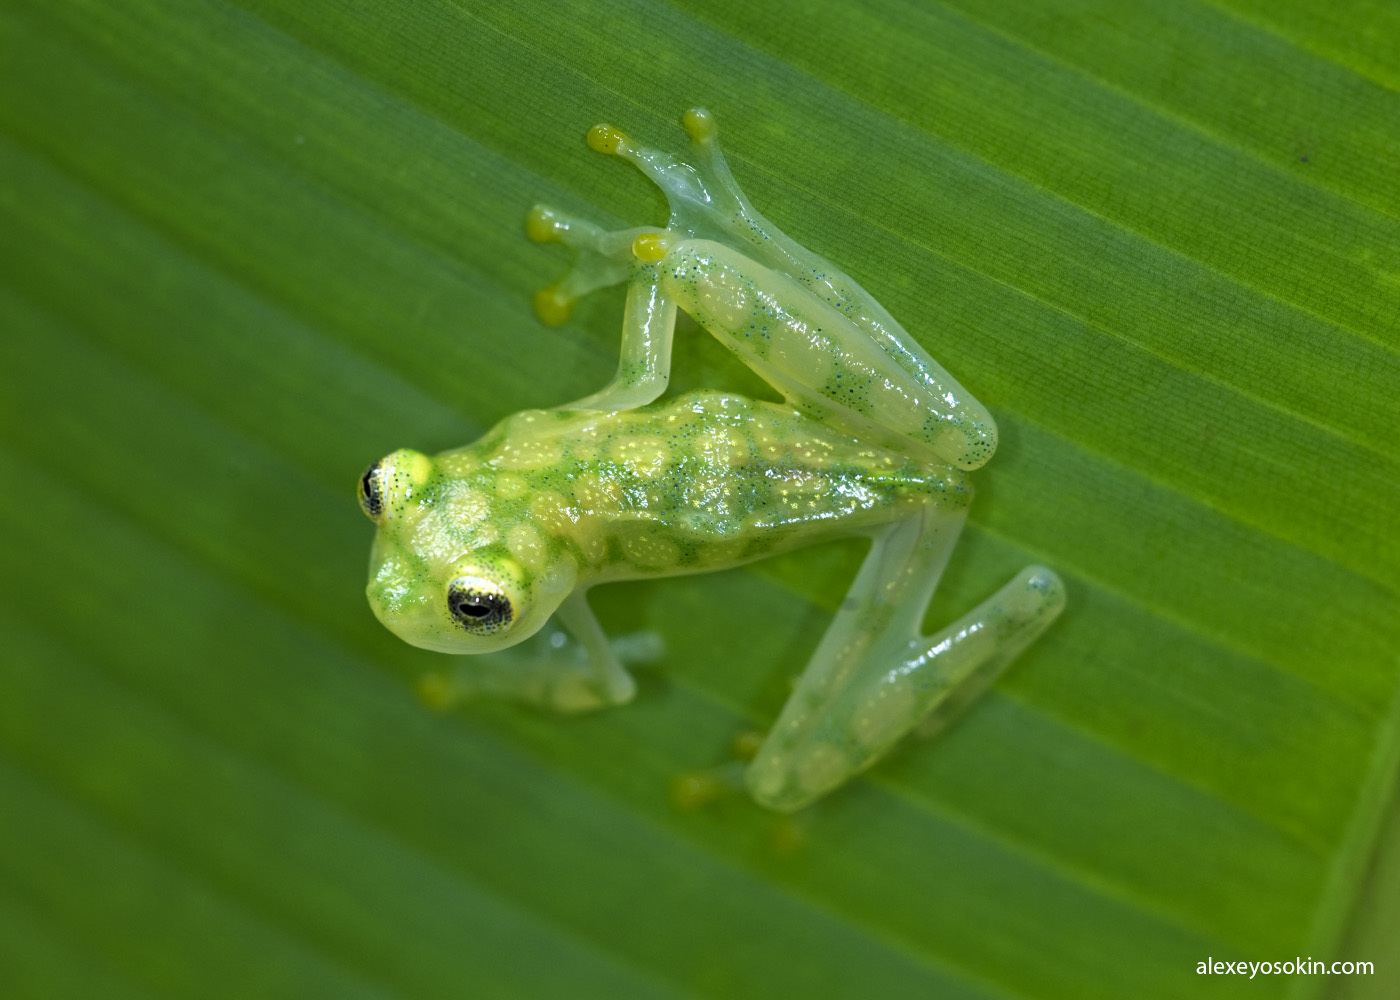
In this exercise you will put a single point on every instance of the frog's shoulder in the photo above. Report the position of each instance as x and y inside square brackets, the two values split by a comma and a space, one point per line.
[528, 423]
[715, 405]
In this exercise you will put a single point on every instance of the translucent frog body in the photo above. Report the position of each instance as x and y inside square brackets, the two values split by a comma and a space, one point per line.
[478, 548]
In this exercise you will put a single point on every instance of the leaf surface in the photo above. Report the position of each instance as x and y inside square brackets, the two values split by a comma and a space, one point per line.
[245, 248]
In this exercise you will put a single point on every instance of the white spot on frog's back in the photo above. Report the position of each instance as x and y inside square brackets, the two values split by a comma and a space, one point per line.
[438, 534]
[645, 455]
[812, 450]
[461, 512]
[722, 446]
[645, 548]
[458, 463]
[554, 514]
[597, 494]
[710, 490]
[767, 437]
[798, 487]
[463, 507]
[528, 545]
[526, 454]
[510, 486]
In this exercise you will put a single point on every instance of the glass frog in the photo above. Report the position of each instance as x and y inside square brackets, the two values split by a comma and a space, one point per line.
[477, 548]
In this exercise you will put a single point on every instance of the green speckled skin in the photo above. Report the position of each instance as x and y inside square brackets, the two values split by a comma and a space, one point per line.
[478, 547]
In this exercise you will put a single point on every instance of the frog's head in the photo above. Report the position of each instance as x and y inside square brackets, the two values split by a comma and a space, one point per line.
[441, 575]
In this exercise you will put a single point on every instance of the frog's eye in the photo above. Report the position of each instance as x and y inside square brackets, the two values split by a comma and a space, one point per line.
[372, 492]
[480, 606]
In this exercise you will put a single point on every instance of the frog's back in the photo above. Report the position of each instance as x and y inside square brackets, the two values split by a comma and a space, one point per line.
[701, 481]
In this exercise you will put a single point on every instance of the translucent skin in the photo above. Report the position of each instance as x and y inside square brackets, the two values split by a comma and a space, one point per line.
[702, 482]
[477, 548]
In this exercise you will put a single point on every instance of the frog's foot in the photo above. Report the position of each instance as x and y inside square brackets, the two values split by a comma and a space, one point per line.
[705, 201]
[696, 789]
[604, 258]
[693, 790]
[551, 670]
[570, 689]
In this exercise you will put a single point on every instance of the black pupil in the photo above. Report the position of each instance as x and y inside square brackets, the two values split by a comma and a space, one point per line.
[369, 491]
[479, 609]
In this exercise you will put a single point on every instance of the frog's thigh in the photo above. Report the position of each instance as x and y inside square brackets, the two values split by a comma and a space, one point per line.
[817, 358]
[726, 292]
[863, 693]
[806, 751]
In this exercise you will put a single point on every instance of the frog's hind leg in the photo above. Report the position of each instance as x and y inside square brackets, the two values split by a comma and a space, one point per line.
[707, 204]
[874, 679]
[706, 201]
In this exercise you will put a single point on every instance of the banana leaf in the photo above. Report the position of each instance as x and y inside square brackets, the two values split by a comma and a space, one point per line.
[248, 247]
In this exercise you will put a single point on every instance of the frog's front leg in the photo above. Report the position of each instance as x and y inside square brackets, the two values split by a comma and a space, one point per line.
[874, 679]
[648, 320]
[608, 681]
[569, 668]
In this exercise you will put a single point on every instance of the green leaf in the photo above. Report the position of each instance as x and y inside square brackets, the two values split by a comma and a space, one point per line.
[245, 248]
